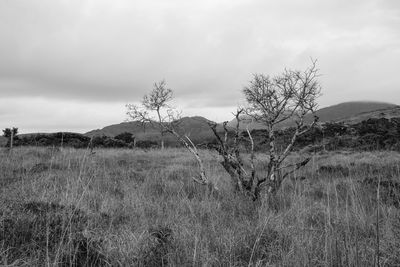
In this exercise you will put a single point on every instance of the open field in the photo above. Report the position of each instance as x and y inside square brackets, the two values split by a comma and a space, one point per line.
[137, 208]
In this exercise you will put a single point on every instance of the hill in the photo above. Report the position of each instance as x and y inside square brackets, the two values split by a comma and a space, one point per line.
[195, 127]
[387, 113]
[347, 112]
[130, 127]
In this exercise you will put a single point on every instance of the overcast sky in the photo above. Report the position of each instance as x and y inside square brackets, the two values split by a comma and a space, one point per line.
[70, 65]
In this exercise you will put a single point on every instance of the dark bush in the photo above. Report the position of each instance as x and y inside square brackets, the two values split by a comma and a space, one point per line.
[371, 134]
[125, 137]
[54, 139]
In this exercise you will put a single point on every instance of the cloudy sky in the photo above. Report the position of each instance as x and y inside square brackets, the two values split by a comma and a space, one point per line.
[74, 64]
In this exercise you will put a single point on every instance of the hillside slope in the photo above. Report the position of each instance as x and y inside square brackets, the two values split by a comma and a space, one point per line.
[388, 113]
[349, 111]
[115, 129]
[195, 127]
[198, 130]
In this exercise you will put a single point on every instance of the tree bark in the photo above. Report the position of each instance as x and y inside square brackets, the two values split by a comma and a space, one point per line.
[12, 138]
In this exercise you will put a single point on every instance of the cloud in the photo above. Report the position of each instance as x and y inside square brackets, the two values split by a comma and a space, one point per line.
[43, 115]
[97, 51]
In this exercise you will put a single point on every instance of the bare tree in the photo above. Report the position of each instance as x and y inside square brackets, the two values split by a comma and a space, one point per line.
[154, 102]
[271, 101]
[156, 111]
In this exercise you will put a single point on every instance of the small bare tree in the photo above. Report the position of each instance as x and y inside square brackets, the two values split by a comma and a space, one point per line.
[155, 102]
[271, 101]
[156, 111]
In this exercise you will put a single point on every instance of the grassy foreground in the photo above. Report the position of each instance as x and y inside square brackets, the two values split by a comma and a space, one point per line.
[136, 208]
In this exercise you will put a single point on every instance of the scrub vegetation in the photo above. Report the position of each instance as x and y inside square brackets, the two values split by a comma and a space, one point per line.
[129, 207]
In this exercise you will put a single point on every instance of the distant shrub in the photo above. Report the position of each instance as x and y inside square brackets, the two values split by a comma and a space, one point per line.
[7, 132]
[54, 139]
[371, 134]
[125, 137]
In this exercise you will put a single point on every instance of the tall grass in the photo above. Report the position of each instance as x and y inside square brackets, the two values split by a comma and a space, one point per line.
[135, 208]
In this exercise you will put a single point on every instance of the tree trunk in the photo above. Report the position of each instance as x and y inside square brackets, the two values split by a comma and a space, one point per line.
[275, 180]
[272, 165]
[235, 179]
[11, 138]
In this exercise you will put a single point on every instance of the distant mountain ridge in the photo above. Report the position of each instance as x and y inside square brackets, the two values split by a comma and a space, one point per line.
[197, 127]
[388, 113]
[347, 112]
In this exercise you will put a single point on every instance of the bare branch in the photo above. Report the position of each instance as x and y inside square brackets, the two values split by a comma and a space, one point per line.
[252, 156]
[155, 109]
[273, 100]
[296, 167]
[158, 97]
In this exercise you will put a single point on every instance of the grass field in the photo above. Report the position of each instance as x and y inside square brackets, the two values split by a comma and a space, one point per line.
[135, 208]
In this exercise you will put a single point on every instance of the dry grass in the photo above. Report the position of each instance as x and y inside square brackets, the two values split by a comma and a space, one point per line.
[136, 208]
